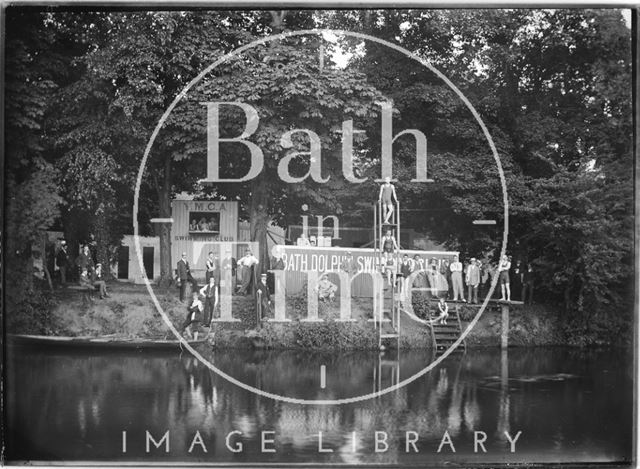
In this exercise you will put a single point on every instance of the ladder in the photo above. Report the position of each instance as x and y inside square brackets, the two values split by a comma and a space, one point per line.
[391, 303]
[444, 335]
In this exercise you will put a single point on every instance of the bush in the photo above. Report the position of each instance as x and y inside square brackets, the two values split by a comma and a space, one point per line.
[421, 303]
[335, 336]
[601, 327]
[31, 313]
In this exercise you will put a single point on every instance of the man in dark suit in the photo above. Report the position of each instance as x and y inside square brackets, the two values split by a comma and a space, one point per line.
[264, 296]
[184, 275]
[62, 261]
[84, 260]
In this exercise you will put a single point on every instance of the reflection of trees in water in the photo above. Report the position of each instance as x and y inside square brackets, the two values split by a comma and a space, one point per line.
[445, 400]
[297, 374]
[87, 400]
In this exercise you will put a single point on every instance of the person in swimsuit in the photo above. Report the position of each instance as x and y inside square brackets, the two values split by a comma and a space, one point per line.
[387, 196]
[443, 308]
[388, 245]
[503, 269]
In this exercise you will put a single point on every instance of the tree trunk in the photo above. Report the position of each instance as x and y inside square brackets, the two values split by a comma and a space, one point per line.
[103, 240]
[164, 229]
[259, 219]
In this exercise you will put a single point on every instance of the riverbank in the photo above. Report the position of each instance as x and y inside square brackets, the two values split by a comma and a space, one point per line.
[129, 313]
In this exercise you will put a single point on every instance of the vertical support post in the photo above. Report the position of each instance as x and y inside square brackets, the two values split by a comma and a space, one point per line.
[503, 413]
[259, 310]
[504, 370]
[396, 305]
[375, 376]
[312, 298]
[279, 300]
[505, 326]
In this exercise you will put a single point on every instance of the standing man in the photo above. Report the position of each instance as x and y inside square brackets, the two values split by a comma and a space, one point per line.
[62, 261]
[388, 245]
[386, 196]
[212, 269]
[247, 263]
[84, 260]
[456, 279]
[527, 285]
[229, 263]
[405, 270]
[503, 272]
[472, 276]
[184, 275]
[445, 272]
[264, 296]
[210, 293]
[518, 278]
[406, 267]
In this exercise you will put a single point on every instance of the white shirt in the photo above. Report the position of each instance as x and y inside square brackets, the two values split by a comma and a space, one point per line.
[197, 303]
[248, 260]
[456, 266]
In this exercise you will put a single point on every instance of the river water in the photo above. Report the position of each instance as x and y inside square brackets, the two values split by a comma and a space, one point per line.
[545, 404]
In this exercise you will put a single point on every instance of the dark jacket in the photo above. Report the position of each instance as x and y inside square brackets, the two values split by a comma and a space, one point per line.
[183, 270]
[210, 292]
[528, 277]
[261, 287]
[84, 261]
[62, 258]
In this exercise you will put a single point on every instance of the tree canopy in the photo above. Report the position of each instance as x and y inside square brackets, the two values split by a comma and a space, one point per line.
[86, 89]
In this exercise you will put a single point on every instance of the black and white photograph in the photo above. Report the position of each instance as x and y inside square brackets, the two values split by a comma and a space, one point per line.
[329, 235]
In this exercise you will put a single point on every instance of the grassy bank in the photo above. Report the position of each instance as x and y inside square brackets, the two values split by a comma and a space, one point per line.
[130, 313]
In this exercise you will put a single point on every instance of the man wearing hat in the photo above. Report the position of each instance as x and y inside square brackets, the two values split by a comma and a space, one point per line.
[326, 289]
[472, 276]
[264, 296]
[98, 281]
[62, 261]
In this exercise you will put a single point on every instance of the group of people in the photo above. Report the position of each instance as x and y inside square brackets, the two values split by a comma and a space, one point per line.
[452, 277]
[90, 273]
[205, 301]
[204, 225]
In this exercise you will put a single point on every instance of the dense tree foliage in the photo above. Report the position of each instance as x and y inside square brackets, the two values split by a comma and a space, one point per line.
[554, 89]
[31, 194]
[85, 90]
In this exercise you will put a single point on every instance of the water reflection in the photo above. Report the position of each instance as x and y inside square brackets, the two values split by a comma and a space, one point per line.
[570, 406]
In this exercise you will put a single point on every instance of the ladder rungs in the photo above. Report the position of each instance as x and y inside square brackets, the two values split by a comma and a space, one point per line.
[388, 336]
